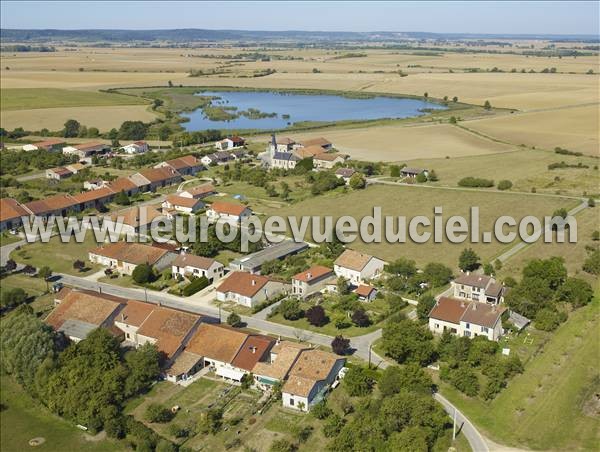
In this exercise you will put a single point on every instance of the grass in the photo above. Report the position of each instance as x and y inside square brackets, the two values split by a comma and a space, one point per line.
[22, 419]
[30, 98]
[543, 408]
[412, 201]
[7, 239]
[35, 287]
[57, 255]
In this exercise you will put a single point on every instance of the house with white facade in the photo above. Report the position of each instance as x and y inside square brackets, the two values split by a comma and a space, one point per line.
[182, 204]
[51, 144]
[86, 150]
[227, 212]
[328, 160]
[311, 281]
[124, 257]
[248, 289]
[187, 265]
[284, 160]
[58, 173]
[466, 318]
[357, 267]
[366, 292]
[199, 192]
[230, 143]
[345, 173]
[137, 147]
[477, 287]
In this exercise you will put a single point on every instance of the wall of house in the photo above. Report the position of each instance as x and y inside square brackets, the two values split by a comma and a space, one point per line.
[351, 275]
[294, 402]
[469, 293]
[129, 330]
[437, 326]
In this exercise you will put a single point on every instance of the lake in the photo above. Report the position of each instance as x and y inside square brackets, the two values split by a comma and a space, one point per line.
[302, 107]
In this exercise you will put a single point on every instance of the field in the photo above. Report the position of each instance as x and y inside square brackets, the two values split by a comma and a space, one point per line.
[22, 419]
[35, 287]
[525, 168]
[412, 201]
[549, 406]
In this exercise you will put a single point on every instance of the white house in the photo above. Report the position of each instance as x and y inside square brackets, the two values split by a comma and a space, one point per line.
[137, 147]
[219, 157]
[52, 144]
[230, 143]
[188, 265]
[466, 318]
[124, 257]
[366, 292]
[284, 160]
[182, 204]
[328, 160]
[58, 173]
[310, 379]
[227, 212]
[199, 192]
[311, 281]
[476, 287]
[248, 289]
[345, 173]
[357, 267]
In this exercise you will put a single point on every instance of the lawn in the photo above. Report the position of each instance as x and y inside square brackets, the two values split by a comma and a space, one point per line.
[22, 419]
[29, 98]
[7, 239]
[34, 286]
[412, 201]
[57, 255]
[546, 407]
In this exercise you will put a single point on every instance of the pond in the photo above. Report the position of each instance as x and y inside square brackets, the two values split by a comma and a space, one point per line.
[274, 110]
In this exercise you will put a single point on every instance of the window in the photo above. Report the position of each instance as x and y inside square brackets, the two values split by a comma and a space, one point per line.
[467, 334]
[291, 402]
[468, 326]
[437, 325]
[484, 329]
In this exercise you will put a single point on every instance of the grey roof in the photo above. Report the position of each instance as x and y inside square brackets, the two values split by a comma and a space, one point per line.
[518, 320]
[412, 170]
[285, 156]
[345, 172]
[254, 261]
[77, 328]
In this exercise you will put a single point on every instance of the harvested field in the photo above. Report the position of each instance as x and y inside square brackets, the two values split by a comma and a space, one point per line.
[25, 98]
[104, 118]
[413, 201]
[400, 143]
[571, 128]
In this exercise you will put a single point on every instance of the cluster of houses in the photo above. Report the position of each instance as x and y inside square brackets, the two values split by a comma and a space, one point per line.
[191, 344]
[475, 309]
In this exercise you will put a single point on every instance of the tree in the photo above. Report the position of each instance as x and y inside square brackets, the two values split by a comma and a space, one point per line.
[143, 365]
[71, 129]
[358, 381]
[13, 297]
[79, 265]
[342, 286]
[575, 291]
[321, 410]
[333, 425]
[426, 304]
[132, 130]
[143, 273]
[455, 99]
[234, 320]
[403, 267]
[196, 285]
[436, 274]
[595, 237]
[316, 315]
[452, 119]
[360, 318]
[394, 171]
[45, 273]
[504, 185]
[548, 319]
[290, 309]
[163, 132]
[357, 181]
[421, 178]
[10, 265]
[340, 345]
[28, 270]
[488, 269]
[282, 445]
[462, 378]
[591, 202]
[155, 412]
[425, 94]
[122, 199]
[432, 176]
[211, 421]
[487, 105]
[411, 378]
[407, 341]
[285, 190]
[468, 260]
[592, 263]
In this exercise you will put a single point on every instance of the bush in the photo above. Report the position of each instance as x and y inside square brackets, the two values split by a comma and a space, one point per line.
[360, 318]
[548, 319]
[504, 185]
[234, 320]
[143, 273]
[321, 410]
[333, 425]
[316, 316]
[157, 413]
[340, 345]
[13, 297]
[290, 309]
[475, 182]
[195, 286]
[358, 381]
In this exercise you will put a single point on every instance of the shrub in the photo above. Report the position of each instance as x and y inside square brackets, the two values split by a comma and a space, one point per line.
[316, 316]
[340, 345]
[504, 184]
[157, 413]
[234, 320]
[143, 273]
[360, 318]
[13, 297]
[358, 381]
[475, 182]
[321, 410]
[548, 319]
[195, 286]
[290, 309]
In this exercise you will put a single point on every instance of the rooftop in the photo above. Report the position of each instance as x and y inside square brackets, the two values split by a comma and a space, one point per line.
[319, 141]
[228, 208]
[252, 350]
[473, 280]
[133, 253]
[243, 283]
[10, 209]
[353, 260]
[201, 190]
[313, 273]
[217, 342]
[482, 314]
[449, 309]
[287, 352]
[138, 215]
[182, 201]
[311, 366]
[253, 261]
[191, 260]
[159, 174]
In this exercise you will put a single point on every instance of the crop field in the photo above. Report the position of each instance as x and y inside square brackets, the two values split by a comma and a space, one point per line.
[575, 129]
[525, 168]
[30, 98]
[412, 201]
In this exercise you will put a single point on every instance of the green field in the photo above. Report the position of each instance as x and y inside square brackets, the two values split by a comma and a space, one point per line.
[29, 98]
[413, 201]
[22, 419]
[34, 286]
[57, 255]
[545, 408]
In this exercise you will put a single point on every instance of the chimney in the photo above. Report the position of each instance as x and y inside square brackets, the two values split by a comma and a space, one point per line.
[254, 282]
[468, 272]
[253, 350]
[309, 275]
[475, 306]
[462, 304]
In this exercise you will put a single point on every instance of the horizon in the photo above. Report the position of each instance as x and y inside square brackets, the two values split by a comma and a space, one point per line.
[580, 18]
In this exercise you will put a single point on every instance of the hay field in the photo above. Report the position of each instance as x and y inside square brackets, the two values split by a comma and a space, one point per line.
[398, 143]
[412, 201]
[29, 98]
[573, 128]
[525, 168]
[104, 118]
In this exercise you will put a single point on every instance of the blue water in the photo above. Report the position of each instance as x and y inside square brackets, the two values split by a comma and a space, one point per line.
[302, 107]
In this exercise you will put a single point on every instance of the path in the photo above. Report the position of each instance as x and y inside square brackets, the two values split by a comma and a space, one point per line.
[31, 176]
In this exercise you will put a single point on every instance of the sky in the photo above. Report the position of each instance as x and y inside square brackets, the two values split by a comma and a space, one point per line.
[537, 17]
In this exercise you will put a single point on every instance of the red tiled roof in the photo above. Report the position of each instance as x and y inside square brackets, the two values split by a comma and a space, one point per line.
[217, 342]
[312, 273]
[243, 283]
[449, 310]
[201, 190]
[190, 260]
[122, 184]
[364, 290]
[11, 209]
[93, 195]
[182, 201]
[133, 253]
[251, 352]
[56, 202]
[159, 174]
[84, 146]
[228, 208]
[85, 306]
[50, 142]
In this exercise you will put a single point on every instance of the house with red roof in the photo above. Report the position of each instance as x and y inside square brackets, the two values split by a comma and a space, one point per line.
[248, 289]
[187, 265]
[11, 212]
[230, 143]
[311, 281]
[228, 212]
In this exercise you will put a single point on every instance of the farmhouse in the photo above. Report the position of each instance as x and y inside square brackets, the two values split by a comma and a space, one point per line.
[365, 292]
[81, 311]
[86, 150]
[284, 160]
[328, 160]
[186, 166]
[187, 265]
[94, 199]
[227, 212]
[412, 172]
[276, 368]
[319, 141]
[476, 287]
[124, 257]
[230, 143]
[10, 214]
[58, 205]
[311, 281]
[216, 158]
[52, 144]
[308, 151]
[468, 319]
[310, 378]
[357, 267]
[253, 262]
[345, 173]
[137, 147]
[199, 192]
[182, 204]
[58, 173]
[248, 289]
[160, 177]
